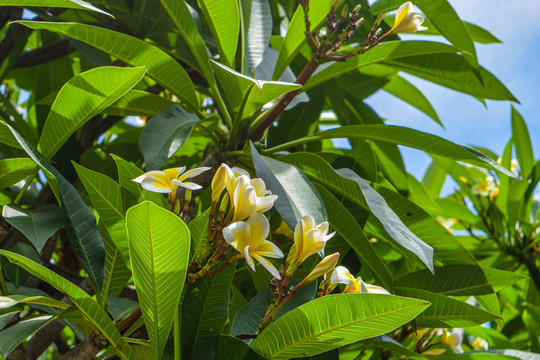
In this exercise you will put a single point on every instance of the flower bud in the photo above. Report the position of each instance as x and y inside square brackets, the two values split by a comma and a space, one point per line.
[357, 9]
[219, 182]
[407, 21]
[344, 11]
[325, 266]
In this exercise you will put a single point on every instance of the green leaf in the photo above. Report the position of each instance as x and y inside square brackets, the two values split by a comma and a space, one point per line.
[185, 24]
[522, 143]
[511, 353]
[231, 348]
[245, 94]
[404, 90]
[10, 301]
[333, 321]
[68, 4]
[164, 134]
[138, 103]
[14, 273]
[161, 67]
[348, 228]
[454, 72]
[297, 196]
[204, 312]
[258, 34]
[223, 18]
[456, 280]
[14, 170]
[447, 248]
[82, 97]
[38, 225]
[17, 333]
[106, 197]
[6, 318]
[403, 136]
[386, 51]
[446, 312]
[126, 173]
[6, 137]
[295, 37]
[198, 228]
[81, 225]
[158, 272]
[91, 310]
[390, 221]
[500, 279]
[116, 271]
[249, 316]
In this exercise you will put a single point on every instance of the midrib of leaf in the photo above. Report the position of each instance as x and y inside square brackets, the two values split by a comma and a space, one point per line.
[154, 289]
[109, 280]
[19, 168]
[341, 326]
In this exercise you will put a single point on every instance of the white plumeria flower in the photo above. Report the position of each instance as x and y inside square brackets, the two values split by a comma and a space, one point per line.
[250, 196]
[169, 180]
[309, 238]
[407, 21]
[249, 238]
[484, 187]
[341, 275]
[452, 338]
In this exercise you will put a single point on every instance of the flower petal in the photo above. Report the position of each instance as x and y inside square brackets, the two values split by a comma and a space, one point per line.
[193, 172]
[248, 258]
[374, 289]
[159, 174]
[259, 185]
[260, 228]
[309, 222]
[341, 275]
[265, 203]
[268, 266]
[151, 183]
[188, 185]
[268, 249]
[402, 13]
[174, 173]
[238, 235]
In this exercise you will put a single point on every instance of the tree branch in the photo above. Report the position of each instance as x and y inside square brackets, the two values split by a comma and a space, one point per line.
[44, 54]
[13, 34]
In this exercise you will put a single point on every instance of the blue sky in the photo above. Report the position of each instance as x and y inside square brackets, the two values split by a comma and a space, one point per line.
[467, 121]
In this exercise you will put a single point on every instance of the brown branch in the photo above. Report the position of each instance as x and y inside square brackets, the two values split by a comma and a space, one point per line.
[17, 353]
[88, 349]
[14, 33]
[41, 340]
[44, 54]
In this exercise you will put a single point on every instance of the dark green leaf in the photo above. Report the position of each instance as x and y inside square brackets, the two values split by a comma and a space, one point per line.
[14, 170]
[522, 143]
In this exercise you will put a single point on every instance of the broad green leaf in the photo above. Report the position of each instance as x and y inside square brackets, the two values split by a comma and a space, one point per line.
[14, 273]
[14, 170]
[333, 321]
[161, 67]
[403, 136]
[198, 228]
[477, 356]
[230, 347]
[297, 196]
[223, 18]
[348, 228]
[404, 90]
[38, 225]
[68, 4]
[84, 96]
[164, 134]
[500, 279]
[257, 33]
[17, 333]
[185, 24]
[446, 312]
[522, 143]
[91, 310]
[454, 72]
[390, 221]
[81, 226]
[386, 51]
[159, 251]
[434, 179]
[478, 34]
[245, 94]
[447, 248]
[119, 308]
[12, 300]
[249, 316]
[106, 197]
[116, 271]
[5, 318]
[452, 209]
[126, 173]
[138, 103]
[6, 137]
[295, 37]
[386, 342]
[204, 312]
[456, 280]
[511, 353]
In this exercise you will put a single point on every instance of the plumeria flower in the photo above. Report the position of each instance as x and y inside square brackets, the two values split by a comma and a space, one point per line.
[325, 266]
[484, 187]
[341, 275]
[309, 238]
[452, 338]
[407, 21]
[250, 196]
[479, 344]
[169, 180]
[249, 238]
